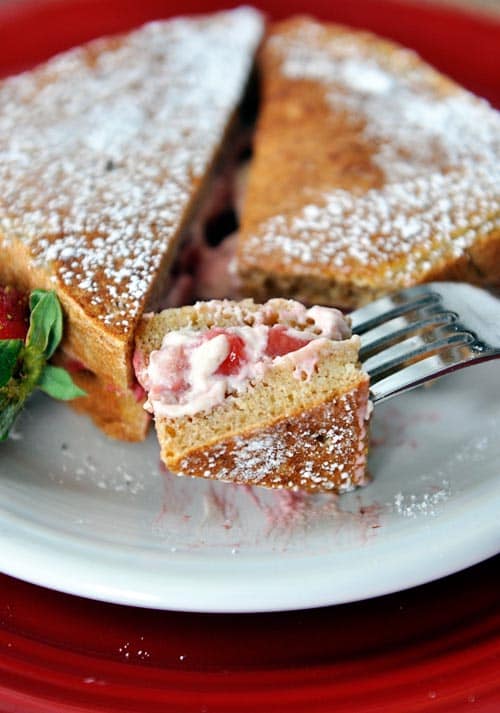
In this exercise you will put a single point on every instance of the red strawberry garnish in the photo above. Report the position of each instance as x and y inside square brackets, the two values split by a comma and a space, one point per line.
[236, 357]
[25, 367]
[280, 343]
[13, 313]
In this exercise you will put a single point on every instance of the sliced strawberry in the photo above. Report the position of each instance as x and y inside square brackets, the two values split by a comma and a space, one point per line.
[236, 357]
[139, 393]
[279, 342]
[13, 313]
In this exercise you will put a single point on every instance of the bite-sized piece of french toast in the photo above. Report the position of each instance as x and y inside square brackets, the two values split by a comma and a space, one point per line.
[270, 395]
[106, 154]
[371, 172]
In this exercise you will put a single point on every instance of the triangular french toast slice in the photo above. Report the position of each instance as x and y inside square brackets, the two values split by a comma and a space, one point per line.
[371, 172]
[105, 154]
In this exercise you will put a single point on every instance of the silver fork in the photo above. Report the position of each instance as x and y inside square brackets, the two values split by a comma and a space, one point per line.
[424, 332]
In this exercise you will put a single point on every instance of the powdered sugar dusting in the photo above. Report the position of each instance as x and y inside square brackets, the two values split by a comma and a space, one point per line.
[324, 452]
[428, 504]
[259, 457]
[407, 224]
[413, 120]
[436, 145]
[102, 150]
[254, 459]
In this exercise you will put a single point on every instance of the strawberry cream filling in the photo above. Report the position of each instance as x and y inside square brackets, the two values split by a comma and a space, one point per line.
[195, 370]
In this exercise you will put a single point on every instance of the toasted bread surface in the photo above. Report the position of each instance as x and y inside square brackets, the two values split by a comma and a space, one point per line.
[120, 414]
[371, 172]
[105, 153]
[321, 448]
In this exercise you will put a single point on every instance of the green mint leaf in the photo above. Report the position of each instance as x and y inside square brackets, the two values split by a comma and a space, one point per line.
[56, 382]
[9, 353]
[46, 322]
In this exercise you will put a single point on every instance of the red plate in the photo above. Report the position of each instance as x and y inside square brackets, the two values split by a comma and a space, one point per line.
[434, 648]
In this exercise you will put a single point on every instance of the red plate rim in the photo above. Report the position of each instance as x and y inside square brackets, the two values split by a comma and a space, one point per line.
[434, 648]
[441, 34]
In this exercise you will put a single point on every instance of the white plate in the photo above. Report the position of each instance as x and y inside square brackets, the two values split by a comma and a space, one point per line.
[89, 516]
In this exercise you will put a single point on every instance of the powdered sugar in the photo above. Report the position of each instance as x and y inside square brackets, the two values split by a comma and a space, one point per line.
[259, 457]
[428, 504]
[437, 148]
[103, 148]
[413, 119]
[324, 453]
[418, 220]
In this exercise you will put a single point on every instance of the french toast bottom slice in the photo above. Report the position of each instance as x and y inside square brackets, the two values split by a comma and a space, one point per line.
[289, 429]
[322, 448]
[118, 412]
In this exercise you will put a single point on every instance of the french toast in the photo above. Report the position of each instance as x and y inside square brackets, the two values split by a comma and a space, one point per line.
[269, 395]
[106, 155]
[371, 172]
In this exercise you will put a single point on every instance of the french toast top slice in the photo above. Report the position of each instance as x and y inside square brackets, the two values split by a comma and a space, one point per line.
[103, 153]
[370, 167]
[205, 315]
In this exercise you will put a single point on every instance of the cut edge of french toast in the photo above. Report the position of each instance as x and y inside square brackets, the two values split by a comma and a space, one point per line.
[282, 431]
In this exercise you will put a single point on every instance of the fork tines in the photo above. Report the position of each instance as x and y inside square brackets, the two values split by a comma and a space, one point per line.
[415, 335]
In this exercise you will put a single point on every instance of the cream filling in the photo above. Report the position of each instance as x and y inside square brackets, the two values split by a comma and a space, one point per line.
[205, 388]
[304, 360]
[325, 322]
[182, 377]
[331, 322]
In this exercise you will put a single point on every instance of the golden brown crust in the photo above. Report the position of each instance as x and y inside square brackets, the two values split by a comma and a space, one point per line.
[321, 449]
[301, 145]
[118, 412]
[371, 171]
[113, 407]
[85, 337]
[104, 163]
